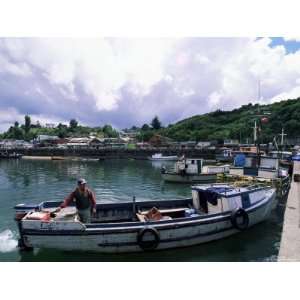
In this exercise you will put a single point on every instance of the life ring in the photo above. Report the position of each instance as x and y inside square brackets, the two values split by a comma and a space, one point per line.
[148, 245]
[240, 213]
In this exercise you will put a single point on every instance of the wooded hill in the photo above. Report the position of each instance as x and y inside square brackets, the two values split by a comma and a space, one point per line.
[218, 125]
[239, 123]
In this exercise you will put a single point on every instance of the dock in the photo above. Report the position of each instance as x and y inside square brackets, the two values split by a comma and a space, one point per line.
[290, 239]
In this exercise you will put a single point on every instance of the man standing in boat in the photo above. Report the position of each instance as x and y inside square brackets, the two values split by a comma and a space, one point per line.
[85, 201]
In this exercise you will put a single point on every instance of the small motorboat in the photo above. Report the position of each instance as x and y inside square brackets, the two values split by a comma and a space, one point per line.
[264, 167]
[296, 157]
[285, 157]
[160, 157]
[214, 212]
[57, 158]
[191, 170]
[9, 155]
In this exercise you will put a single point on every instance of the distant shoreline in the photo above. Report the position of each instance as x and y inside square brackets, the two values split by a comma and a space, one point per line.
[48, 153]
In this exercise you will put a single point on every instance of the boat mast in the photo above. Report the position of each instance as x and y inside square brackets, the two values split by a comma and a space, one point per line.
[255, 132]
[282, 136]
[256, 143]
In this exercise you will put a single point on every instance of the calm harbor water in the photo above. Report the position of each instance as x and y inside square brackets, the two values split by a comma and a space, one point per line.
[27, 181]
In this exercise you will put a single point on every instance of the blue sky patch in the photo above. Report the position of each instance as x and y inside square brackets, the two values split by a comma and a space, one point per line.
[291, 46]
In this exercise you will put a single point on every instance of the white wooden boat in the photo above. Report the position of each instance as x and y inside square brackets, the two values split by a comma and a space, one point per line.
[188, 178]
[160, 157]
[191, 170]
[216, 169]
[268, 168]
[213, 212]
[8, 155]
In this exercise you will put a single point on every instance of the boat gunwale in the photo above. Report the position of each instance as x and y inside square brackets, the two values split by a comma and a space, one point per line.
[114, 228]
[238, 193]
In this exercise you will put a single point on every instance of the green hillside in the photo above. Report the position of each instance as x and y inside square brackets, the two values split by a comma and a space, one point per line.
[239, 122]
[217, 125]
[29, 131]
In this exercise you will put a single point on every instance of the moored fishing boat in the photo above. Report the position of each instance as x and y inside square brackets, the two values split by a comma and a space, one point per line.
[190, 170]
[9, 155]
[285, 157]
[160, 157]
[264, 167]
[214, 212]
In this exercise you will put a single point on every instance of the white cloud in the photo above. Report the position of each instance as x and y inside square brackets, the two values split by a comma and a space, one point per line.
[101, 66]
[8, 117]
[291, 94]
[294, 39]
[20, 69]
[127, 81]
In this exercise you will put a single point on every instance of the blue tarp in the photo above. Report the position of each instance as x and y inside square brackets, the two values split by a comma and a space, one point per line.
[296, 157]
[240, 160]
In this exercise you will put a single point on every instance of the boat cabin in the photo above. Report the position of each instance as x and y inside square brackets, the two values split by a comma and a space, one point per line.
[248, 165]
[189, 166]
[223, 198]
[225, 155]
[281, 154]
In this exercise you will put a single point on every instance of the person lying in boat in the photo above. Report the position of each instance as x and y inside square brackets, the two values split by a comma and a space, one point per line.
[85, 201]
[153, 214]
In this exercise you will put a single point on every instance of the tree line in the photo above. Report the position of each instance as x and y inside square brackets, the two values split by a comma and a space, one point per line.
[218, 125]
[29, 131]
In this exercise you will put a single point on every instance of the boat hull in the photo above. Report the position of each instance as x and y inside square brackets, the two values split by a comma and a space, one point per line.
[123, 238]
[221, 158]
[164, 158]
[187, 178]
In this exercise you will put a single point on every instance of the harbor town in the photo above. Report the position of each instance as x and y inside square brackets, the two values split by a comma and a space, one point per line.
[175, 169]
[149, 150]
[233, 186]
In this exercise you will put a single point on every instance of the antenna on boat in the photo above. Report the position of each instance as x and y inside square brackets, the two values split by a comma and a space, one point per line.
[261, 117]
[282, 136]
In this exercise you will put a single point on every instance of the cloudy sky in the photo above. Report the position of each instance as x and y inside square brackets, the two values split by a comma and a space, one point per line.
[126, 82]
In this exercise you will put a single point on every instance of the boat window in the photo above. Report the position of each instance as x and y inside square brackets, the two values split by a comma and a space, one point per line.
[255, 197]
[245, 200]
[193, 161]
[207, 199]
[203, 202]
[231, 203]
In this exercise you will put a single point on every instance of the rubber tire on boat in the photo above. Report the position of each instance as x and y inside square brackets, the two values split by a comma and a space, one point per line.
[240, 212]
[147, 245]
